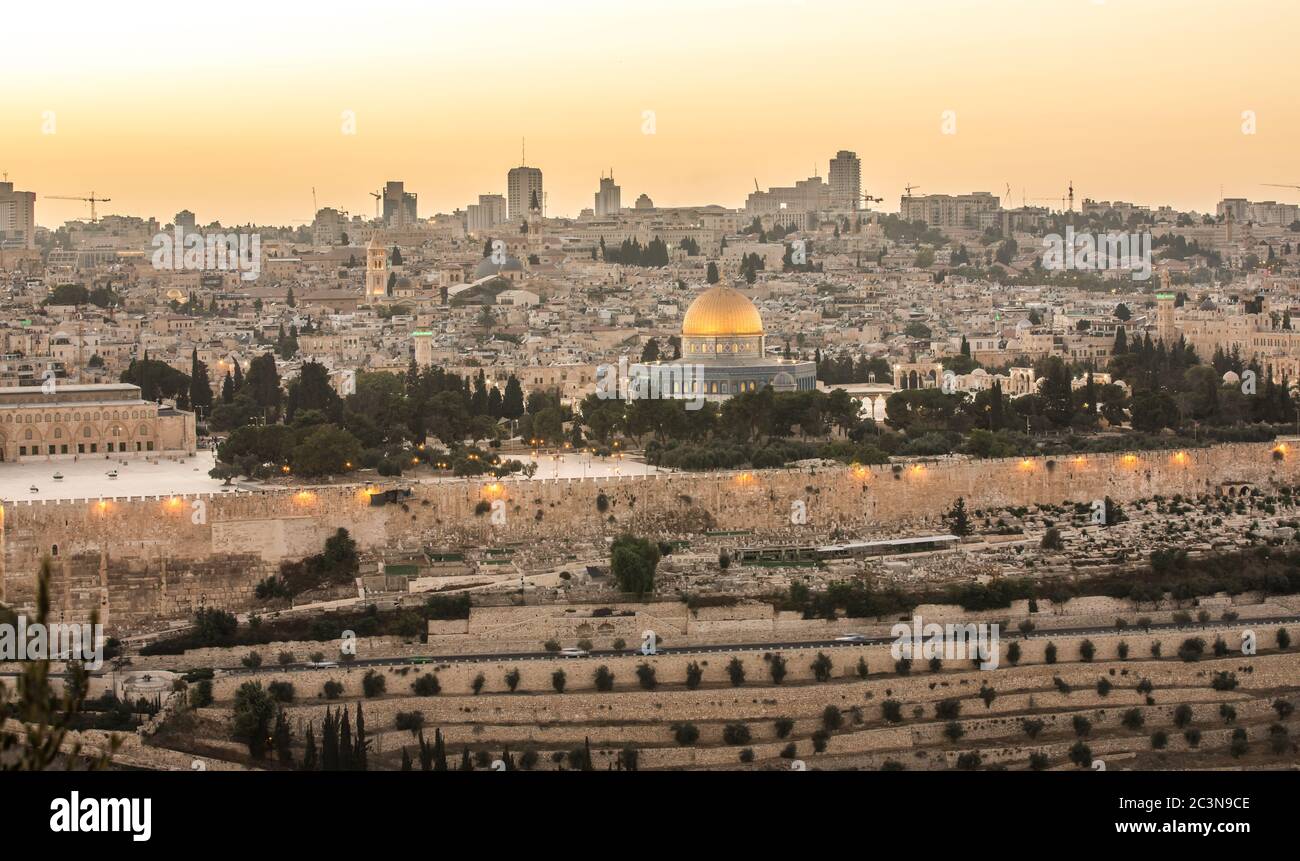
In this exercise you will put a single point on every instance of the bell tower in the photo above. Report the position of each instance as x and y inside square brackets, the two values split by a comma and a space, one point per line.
[376, 270]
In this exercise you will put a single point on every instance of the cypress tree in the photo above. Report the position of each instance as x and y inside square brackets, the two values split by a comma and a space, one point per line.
[346, 752]
[309, 750]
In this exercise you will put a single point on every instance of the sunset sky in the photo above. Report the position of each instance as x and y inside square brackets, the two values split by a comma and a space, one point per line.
[234, 110]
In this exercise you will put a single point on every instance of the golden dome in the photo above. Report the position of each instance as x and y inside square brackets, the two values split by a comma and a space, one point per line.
[722, 311]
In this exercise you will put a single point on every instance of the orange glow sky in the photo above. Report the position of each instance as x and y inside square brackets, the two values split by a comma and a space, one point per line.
[234, 110]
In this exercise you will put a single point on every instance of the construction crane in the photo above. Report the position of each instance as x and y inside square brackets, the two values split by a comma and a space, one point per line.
[92, 200]
[378, 196]
[1274, 185]
[867, 200]
[908, 189]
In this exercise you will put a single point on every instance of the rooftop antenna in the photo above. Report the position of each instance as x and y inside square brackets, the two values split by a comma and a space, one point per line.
[523, 152]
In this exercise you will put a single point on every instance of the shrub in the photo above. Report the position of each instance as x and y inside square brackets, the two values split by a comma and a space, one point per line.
[286, 658]
[693, 675]
[1133, 719]
[1220, 647]
[411, 722]
[969, 761]
[747, 755]
[373, 684]
[1081, 755]
[784, 726]
[1278, 739]
[947, 709]
[1032, 727]
[819, 740]
[832, 718]
[953, 731]
[1239, 744]
[512, 680]
[201, 694]
[1145, 686]
[558, 679]
[735, 733]
[821, 667]
[281, 692]
[477, 684]
[585, 645]
[426, 686]
[1103, 687]
[1193, 736]
[1283, 638]
[1038, 761]
[1049, 653]
[1228, 713]
[1122, 650]
[903, 666]
[1013, 653]
[620, 644]
[736, 672]
[988, 695]
[1156, 647]
[1224, 681]
[776, 667]
[1082, 726]
[603, 678]
[789, 751]
[645, 674]
[1192, 649]
[1061, 685]
[1182, 716]
[252, 660]
[332, 690]
[1087, 650]
[935, 665]
[892, 711]
[892, 765]
[685, 734]
[1283, 708]
[862, 668]
[551, 646]
[1159, 739]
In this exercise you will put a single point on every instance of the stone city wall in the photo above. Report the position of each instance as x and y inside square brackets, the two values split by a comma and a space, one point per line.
[143, 558]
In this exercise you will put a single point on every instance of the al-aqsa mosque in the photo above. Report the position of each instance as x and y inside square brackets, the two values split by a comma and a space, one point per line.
[723, 338]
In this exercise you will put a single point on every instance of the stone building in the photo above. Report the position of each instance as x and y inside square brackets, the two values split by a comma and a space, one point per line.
[87, 420]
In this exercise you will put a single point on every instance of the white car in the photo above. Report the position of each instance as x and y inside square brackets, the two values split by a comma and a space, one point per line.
[322, 665]
[852, 638]
[573, 652]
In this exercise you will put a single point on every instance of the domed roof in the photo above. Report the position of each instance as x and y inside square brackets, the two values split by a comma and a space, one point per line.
[722, 311]
[486, 267]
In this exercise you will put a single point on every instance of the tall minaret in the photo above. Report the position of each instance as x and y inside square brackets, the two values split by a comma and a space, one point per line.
[376, 270]
[1165, 328]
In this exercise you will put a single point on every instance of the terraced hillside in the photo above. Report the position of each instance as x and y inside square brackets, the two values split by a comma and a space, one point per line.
[1171, 703]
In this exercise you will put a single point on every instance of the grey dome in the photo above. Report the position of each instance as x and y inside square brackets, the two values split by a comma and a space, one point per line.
[486, 267]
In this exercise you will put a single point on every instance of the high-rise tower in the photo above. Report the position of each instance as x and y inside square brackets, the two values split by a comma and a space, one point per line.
[846, 180]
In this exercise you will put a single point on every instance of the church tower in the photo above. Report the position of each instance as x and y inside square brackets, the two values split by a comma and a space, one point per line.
[376, 270]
